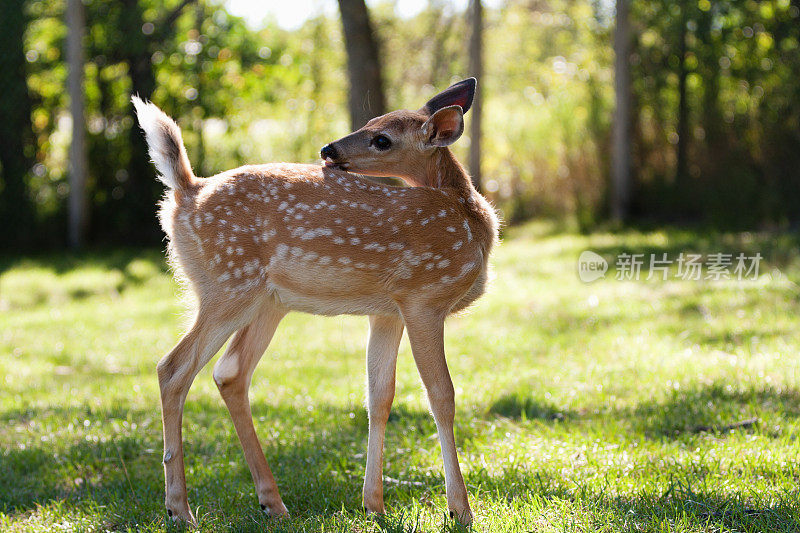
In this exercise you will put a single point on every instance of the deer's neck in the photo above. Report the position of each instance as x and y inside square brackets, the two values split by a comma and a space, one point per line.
[446, 173]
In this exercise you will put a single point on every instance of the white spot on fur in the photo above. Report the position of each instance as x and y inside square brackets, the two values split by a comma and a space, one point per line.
[466, 267]
[318, 232]
[250, 267]
[267, 235]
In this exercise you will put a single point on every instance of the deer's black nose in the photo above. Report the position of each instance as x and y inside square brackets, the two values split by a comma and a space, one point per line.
[329, 152]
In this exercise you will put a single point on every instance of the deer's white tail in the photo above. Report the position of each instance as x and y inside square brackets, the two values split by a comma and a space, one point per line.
[165, 145]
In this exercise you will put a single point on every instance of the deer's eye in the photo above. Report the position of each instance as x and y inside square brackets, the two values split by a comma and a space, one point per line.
[381, 142]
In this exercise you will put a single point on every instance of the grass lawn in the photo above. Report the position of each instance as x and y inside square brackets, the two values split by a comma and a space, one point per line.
[580, 407]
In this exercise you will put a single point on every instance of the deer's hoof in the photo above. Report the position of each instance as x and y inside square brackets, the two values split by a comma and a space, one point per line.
[463, 517]
[179, 511]
[279, 511]
[374, 511]
[185, 517]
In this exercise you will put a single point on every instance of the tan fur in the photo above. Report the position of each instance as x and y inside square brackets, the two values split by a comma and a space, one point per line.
[328, 242]
[259, 241]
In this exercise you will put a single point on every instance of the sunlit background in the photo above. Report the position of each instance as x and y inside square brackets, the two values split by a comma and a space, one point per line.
[292, 15]
[712, 103]
[587, 399]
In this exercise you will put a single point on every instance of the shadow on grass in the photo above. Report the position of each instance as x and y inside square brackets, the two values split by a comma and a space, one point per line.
[318, 462]
[112, 260]
[716, 408]
[518, 406]
[650, 510]
[117, 258]
[777, 249]
[318, 466]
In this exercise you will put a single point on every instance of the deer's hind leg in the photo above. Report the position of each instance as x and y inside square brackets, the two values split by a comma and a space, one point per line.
[176, 372]
[232, 374]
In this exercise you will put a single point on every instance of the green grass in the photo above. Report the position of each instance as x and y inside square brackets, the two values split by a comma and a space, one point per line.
[580, 407]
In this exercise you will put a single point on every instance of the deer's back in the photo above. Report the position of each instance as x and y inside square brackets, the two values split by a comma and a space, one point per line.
[326, 242]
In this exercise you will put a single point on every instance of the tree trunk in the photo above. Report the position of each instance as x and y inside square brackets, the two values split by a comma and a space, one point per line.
[77, 148]
[198, 111]
[621, 175]
[366, 98]
[681, 164]
[16, 135]
[476, 69]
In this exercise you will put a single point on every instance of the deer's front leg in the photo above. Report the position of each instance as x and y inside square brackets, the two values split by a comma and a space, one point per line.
[385, 333]
[426, 334]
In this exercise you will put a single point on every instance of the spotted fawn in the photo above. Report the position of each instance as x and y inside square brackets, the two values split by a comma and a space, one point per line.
[259, 241]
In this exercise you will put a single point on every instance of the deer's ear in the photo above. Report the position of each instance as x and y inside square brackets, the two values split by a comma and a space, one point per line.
[460, 94]
[444, 127]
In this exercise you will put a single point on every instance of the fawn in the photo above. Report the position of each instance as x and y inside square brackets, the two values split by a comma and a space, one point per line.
[259, 241]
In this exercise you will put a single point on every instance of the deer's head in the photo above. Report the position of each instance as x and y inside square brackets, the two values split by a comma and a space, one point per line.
[401, 143]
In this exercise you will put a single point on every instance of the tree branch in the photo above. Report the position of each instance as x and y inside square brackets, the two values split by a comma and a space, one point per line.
[170, 18]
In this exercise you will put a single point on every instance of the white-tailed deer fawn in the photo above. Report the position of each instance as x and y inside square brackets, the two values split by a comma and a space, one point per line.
[259, 241]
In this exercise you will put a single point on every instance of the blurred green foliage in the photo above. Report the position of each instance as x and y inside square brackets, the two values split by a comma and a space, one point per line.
[245, 96]
[743, 100]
